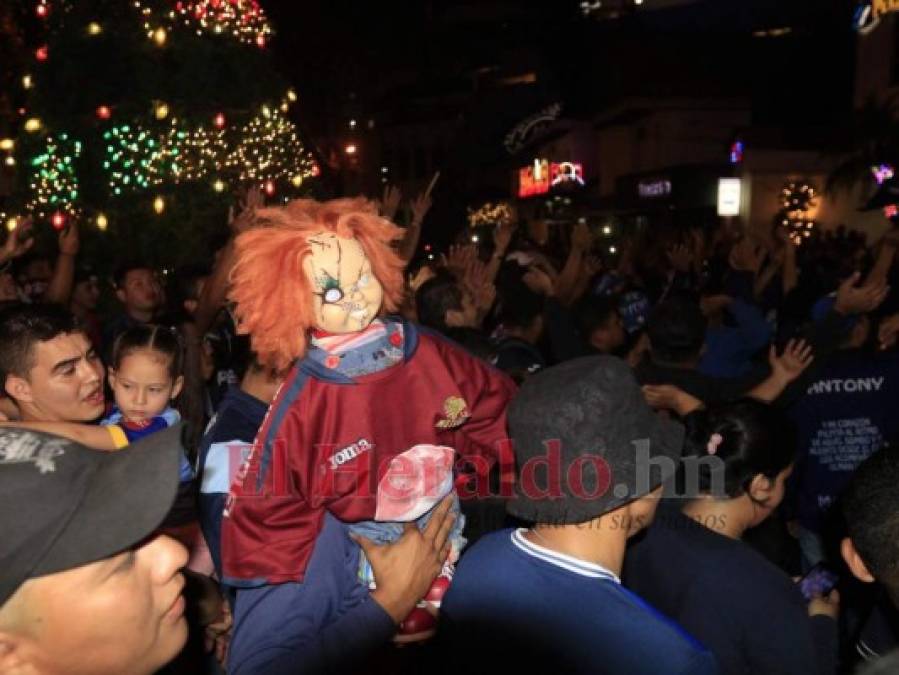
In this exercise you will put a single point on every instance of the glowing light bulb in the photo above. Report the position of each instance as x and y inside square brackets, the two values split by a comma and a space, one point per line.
[159, 205]
[58, 221]
[297, 180]
[219, 185]
[10, 161]
[104, 112]
[42, 53]
[219, 120]
[42, 11]
[350, 149]
[7, 144]
[93, 28]
[33, 125]
[102, 222]
[12, 223]
[160, 37]
[27, 82]
[269, 188]
[162, 111]
[291, 95]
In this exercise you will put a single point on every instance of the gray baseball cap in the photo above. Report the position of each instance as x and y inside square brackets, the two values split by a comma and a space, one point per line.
[586, 442]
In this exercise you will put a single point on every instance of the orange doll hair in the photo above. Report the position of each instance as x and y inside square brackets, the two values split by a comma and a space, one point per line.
[269, 286]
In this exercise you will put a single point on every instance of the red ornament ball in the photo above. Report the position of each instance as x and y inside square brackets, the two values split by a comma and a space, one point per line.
[104, 112]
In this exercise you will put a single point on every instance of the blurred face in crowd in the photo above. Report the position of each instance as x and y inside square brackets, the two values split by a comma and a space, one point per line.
[123, 614]
[346, 295]
[610, 336]
[8, 286]
[143, 385]
[64, 384]
[140, 291]
[86, 294]
[36, 278]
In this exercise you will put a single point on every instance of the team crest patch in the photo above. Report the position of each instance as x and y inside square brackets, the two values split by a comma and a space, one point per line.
[456, 411]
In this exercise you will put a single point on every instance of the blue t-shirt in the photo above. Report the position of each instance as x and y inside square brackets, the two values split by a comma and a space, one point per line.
[163, 420]
[848, 411]
[524, 608]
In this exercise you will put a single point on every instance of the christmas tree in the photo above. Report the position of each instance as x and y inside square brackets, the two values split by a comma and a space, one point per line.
[143, 119]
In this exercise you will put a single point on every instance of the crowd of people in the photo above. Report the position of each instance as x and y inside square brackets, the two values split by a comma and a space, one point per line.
[678, 459]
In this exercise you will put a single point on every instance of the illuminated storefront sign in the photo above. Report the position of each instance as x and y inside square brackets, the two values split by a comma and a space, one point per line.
[729, 194]
[652, 189]
[543, 175]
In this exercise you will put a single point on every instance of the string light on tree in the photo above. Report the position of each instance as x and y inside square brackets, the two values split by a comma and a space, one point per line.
[270, 188]
[7, 144]
[219, 121]
[159, 205]
[161, 110]
[160, 37]
[33, 125]
[797, 199]
[102, 222]
[104, 112]
[12, 223]
[42, 10]
[54, 181]
[42, 53]
[218, 185]
[58, 220]
[269, 149]
[94, 28]
[27, 82]
[243, 20]
[489, 214]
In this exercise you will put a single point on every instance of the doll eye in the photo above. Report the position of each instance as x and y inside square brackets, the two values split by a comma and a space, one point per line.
[332, 295]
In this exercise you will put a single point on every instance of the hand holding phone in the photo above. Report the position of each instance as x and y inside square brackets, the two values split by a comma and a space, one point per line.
[818, 582]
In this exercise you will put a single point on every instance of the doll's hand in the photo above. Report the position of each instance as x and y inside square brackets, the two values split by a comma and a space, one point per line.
[390, 202]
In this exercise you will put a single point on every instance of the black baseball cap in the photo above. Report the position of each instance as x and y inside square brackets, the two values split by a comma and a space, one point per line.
[63, 505]
[592, 411]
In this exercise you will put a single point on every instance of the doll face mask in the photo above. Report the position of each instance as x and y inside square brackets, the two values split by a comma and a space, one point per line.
[347, 296]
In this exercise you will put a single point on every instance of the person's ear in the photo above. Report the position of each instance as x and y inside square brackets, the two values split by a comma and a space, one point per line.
[760, 488]
[18, 388]
[854, 561]
[176, 389]
[120, 294]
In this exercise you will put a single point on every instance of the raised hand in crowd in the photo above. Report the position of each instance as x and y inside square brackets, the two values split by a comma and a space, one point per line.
[746, 256]
[59, 288]
[680, 258]
[17, 241]
[785, 368]
[245, 217]
[888, 331]
[390, 202]
[459, 258]
[418, 209]
[853, 299]
[670, 397]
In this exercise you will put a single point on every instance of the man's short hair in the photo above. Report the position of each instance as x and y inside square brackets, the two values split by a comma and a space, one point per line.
[121, 272]
[21, 327]
[871, 511]
[435, 298]
[595, 312]
[676, 330]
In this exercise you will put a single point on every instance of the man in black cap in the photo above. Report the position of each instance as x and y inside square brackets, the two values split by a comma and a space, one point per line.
[85, 585]
[592, 457]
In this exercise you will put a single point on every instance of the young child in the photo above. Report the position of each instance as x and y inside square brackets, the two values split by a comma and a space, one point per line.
[145, 377]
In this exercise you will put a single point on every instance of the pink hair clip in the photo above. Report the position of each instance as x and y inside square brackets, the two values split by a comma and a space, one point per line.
[714, 442]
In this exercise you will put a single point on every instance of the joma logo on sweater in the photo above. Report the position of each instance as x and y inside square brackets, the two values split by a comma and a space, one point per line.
[351, 451]
[847, 386]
